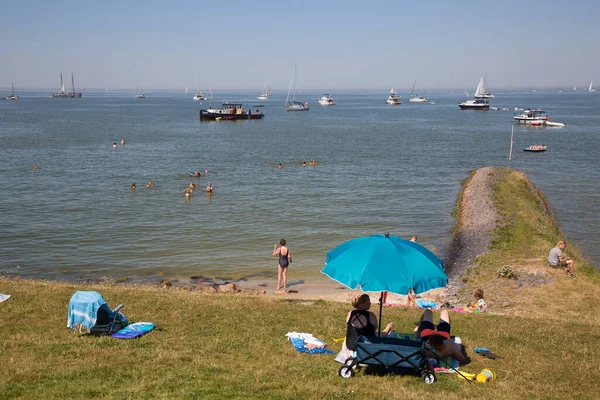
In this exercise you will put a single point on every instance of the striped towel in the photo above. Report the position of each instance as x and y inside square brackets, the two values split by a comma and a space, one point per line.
[4, 297]
[83, 309]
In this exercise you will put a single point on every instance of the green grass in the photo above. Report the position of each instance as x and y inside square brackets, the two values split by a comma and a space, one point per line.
[218, 346]
[233, 346]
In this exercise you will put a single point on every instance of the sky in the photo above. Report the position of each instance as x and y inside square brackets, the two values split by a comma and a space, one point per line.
[337, 45]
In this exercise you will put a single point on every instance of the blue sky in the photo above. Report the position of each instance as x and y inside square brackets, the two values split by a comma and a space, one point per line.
[337, 44]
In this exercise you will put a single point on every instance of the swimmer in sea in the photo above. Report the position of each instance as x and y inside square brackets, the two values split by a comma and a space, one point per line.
[35, 168]
[133, 186]
[197, 174]
[192, 185]
[149, 184]
[123, 142]
[187, 192]
[206, 171]
[209, 188]
[280, 166]
[304, 164]
[114, 145]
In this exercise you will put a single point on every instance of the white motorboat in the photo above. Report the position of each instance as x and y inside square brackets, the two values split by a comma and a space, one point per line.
[591, 88]
[481, 93]
[199, 95]
[12, 96]
[294, 105]
[138, 95]
[417, 99]
[326, 100]
[532, 117]
[393, 99]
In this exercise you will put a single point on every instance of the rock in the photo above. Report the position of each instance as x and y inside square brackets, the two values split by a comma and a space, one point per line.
[228, 288]
[165, 284]
[279, 292]
[292, 291]
[197, 277]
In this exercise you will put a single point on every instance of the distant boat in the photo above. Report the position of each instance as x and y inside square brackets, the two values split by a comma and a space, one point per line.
[417, 99]
[326, 100]
[138, 95]
[269, 91]
[393, 99]
[574, 87]
[264, 95]
[199, 95]
[533, 116]
[62, 92]
[478, 102]
[481, 93]
[12, 96]
[591, 88]
[294, 105]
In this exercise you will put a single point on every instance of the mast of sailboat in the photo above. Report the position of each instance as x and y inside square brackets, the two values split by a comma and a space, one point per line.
[73, 82]
[295, 76]
[13, 88]
[413, 89]
[62, 83]
[287, 100]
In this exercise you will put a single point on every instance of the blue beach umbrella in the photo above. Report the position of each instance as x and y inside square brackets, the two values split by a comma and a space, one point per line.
[385, 263]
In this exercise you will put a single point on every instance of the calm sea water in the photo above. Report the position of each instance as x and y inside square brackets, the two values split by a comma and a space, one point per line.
[381, 168]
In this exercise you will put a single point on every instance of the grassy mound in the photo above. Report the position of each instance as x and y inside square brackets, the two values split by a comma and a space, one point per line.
[219, 346]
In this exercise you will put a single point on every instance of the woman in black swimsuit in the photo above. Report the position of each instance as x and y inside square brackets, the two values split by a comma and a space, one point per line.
[361, 321]
[285, 258]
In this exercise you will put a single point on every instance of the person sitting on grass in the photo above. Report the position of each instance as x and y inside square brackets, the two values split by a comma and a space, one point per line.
[480, 306]
[437, 337]
[557, 260]
[361, 321]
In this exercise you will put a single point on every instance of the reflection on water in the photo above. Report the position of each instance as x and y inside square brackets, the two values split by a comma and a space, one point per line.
[380, 168]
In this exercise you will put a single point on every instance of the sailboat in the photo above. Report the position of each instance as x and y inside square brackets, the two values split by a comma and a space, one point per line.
[62, 92]
[294, 105]
[264, 95]
[138, 95]
[13, 96]
[480, 93]
[199, 95]
[591, 88]
[269, 91]
[416, 99]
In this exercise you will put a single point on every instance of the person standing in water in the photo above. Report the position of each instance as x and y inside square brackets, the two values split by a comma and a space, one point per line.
[285, 258]
[123, 142]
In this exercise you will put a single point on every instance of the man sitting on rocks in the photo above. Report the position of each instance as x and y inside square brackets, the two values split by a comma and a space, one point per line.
[557, 260]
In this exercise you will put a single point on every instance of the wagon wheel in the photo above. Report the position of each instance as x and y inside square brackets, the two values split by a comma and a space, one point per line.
[351, 362]
[428, 377]
[346, 371]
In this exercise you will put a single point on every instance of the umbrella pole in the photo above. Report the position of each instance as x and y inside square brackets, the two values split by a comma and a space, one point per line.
[380, 308]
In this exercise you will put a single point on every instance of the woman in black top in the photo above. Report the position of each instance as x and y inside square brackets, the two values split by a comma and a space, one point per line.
[361, 321]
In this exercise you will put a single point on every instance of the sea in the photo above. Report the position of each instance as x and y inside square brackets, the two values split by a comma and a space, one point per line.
[380, 168]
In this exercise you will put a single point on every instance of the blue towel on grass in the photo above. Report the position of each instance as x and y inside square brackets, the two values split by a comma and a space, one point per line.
[301, 347]
[427, 304]
[83, 309]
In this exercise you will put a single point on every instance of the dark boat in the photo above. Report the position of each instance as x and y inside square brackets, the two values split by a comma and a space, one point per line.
[229, 112]
[475, 104]
[534, 149]
[258, 105]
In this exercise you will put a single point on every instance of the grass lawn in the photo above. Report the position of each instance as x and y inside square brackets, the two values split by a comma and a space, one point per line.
[221, 346]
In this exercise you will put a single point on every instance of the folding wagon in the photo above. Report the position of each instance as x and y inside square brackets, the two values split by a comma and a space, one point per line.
[391, 354]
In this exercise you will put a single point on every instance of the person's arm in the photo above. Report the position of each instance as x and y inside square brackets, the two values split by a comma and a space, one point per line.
[289, 256]
[276, 250]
